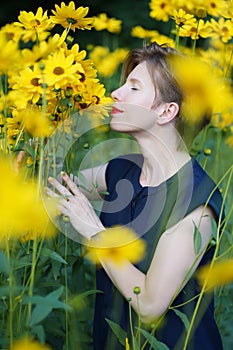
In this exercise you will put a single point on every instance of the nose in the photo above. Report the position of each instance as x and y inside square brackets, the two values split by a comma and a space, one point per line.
[116, 95]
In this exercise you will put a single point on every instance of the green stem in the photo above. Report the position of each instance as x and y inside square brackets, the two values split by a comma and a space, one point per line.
[195, 40]
[131, 326]
[32, 279]
[66, 290]
[11, 296]
[177, 39]
[229, 64]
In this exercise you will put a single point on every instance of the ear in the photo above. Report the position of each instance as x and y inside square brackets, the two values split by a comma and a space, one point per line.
[167, 112]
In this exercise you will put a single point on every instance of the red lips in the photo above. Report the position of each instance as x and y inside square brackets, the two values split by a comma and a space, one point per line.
[115, 110]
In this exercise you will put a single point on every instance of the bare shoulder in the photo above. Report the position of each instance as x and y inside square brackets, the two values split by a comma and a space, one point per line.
[200, 218]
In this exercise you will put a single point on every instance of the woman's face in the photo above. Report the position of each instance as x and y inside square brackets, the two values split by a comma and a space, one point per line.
[138, 91]
[138, 88]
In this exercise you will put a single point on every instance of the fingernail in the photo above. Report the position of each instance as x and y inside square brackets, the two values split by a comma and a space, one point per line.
[63, 173]
[50, 179]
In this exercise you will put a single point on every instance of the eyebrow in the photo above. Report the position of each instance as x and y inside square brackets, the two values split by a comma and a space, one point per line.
[133, 80]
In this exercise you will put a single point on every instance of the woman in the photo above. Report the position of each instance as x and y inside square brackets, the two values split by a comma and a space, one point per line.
[167, 204]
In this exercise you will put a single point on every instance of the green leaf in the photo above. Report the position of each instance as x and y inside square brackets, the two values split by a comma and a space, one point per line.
[30, 150]
[46, 252]
[118, 331]
[44, 305]
[4, 264]
[39, 313]
[56, 293]
[154, 343]
[183, 318]
[214, 227]
[39, 332]
[197, 239]
[5, 291]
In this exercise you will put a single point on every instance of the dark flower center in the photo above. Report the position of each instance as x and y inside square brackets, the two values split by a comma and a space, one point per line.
[35, 82]
[58, 71]
[71, 20]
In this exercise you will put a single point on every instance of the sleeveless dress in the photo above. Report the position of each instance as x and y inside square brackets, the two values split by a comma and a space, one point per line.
[149, 211]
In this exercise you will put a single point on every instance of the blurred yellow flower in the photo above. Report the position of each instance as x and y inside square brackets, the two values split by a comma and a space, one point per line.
[160, 9]
[107, 62]
[229, 139]
[127, 347]
[29, 344]
[22, 208]
[222, 120]
[220, 274]
[142, 33]
[102, 22]
[216, 8]
[69, 17]
[203, 92]
[117, 244]
[10, 54]
[36, 123]
[221, 29]
[11, 32]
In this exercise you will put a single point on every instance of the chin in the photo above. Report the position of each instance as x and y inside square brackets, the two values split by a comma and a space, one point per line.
[116, 125]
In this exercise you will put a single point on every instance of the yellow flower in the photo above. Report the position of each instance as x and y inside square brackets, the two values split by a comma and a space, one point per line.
[181, 18]
[28, 82]
[195, 30]
[220, 274]
[102, 22]
[79, 56]
[117, 244]
[94, 94]
[68, 17]
[36, 27]
[60, 70]
[29, 344]
[43, 49]
[23, 209]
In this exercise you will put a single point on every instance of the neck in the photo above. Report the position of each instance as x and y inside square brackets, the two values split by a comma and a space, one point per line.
[164, 154]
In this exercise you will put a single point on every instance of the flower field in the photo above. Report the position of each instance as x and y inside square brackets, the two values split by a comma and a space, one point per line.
[54, 115]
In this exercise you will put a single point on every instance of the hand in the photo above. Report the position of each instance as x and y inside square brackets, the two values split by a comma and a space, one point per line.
[76, 206]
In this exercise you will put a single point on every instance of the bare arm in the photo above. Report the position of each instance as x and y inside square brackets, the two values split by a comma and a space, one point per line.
[171, 267]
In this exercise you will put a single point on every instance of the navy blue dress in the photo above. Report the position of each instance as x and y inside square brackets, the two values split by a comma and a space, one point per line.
[149, 211]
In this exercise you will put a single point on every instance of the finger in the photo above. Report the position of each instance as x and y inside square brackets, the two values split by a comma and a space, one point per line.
[59, 187]
[50, 193]
[71, 184]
